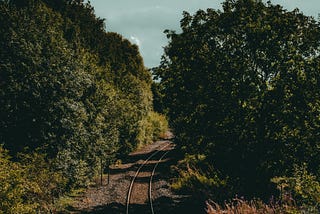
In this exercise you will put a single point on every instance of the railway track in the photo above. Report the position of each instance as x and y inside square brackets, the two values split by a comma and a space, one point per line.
[135, 187]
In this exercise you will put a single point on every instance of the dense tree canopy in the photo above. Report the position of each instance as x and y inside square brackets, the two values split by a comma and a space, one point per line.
[241, 87]
[70, 90]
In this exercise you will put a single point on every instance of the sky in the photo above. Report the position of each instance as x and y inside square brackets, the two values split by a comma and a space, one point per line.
[143, 21]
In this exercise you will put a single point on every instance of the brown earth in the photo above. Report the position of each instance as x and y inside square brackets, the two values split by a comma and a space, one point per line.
[111, 198]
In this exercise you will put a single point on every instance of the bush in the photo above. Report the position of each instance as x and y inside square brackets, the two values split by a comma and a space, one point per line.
[48, 182]
[151, 128]
[159, 125]
[302, 188]
[192, 178]
[13, 187]
[28, 186]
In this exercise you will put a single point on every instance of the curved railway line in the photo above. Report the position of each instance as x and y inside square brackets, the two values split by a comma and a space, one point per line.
[150, 160]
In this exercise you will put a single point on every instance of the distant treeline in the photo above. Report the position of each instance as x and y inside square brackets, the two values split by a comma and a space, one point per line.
[72, 96]
[241, 88]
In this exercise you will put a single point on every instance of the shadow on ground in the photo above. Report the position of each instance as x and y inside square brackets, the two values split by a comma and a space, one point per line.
[174, 204]
[162, 205]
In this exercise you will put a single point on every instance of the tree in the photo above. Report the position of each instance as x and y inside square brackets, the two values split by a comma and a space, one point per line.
[241, 87]
[61, 95]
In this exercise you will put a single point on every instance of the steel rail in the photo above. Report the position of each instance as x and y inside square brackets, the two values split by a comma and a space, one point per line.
[151, 178]
[136, 174]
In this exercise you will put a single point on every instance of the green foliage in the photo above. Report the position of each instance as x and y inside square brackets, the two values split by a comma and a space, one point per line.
[159, 125]
[302, 187]
[69, 90]
[158, 97]
[199, 178]
[43, 81]
[12, 187]
[151, 128]
[29, 186]
[45, 183]
[241, 86]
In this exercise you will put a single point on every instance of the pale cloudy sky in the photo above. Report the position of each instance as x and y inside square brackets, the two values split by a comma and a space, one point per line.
[143, 21]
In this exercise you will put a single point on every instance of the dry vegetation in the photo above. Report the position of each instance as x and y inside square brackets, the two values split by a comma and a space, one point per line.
[241, 206]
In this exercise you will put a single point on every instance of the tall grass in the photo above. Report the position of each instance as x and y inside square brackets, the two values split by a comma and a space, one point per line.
[240, 206]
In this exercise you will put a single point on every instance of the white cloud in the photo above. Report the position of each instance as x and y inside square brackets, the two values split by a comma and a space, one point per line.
[135, 40]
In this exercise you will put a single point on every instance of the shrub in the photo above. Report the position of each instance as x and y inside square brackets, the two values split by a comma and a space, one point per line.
[151, 128]
[30, 185]
[14, 187]
[159, 125]
[192, 178]
[301, 188]
[46, 181]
